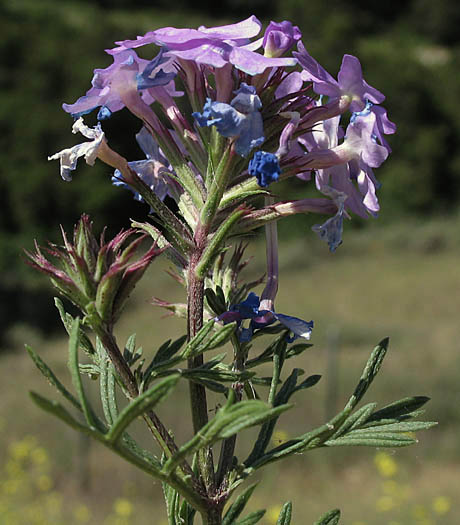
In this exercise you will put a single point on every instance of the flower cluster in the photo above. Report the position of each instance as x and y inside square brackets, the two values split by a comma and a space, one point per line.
[272, 103]
[254, 111]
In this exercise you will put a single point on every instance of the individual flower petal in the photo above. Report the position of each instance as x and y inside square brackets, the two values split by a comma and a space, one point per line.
[323, 82]
[265, 167]
[148, 78]
[69, 157]
[298, 327]
[291, 84]
[246, 99]
[248, 308]
[254, 63]
[226, 118]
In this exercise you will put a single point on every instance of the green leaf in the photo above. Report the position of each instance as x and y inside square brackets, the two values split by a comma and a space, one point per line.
[186, 513]
[405, 426]
[221, 336]
[218, 375]
[254, 517]
[370, 370]
[103, 389]
[402, 408]
[52, 379]
[285, 515]
[75, 374]
[217, 239]
[297, 349]
[130, 353]
[355, 419]
[238, 505]
[172, 499]
[289, 387]
[229, 420]
[140, 405]
[168, 349]
[193, 345]
[330, 518]
[372, 440]
[368, 375]
[211, 385]
[214, 302]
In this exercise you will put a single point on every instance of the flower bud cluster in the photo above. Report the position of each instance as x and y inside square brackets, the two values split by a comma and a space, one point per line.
[97, 276]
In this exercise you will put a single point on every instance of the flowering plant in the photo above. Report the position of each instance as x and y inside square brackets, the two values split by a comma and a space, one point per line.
[224, 117]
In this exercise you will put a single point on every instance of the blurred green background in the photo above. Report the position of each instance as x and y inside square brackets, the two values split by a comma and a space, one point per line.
[395, 276]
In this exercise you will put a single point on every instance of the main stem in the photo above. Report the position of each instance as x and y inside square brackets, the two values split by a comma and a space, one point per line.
[199, 405]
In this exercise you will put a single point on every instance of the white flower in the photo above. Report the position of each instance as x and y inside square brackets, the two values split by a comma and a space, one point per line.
[69, 157]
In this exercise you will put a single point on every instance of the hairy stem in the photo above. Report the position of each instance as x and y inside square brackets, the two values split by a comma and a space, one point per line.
[199, 405]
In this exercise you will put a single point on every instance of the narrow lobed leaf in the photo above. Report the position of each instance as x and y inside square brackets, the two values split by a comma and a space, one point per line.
[238, 505]
[355, 419]
[386, 440]
[285, 515]
[194, 343]
[403, 407]
[330, 518]
[252, 518]
[75, 374]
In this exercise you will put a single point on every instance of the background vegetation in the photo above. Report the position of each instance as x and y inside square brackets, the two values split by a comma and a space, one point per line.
[397, 276]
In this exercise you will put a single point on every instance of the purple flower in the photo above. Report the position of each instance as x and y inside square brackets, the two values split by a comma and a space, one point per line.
[350, 81]
[265, 167]
[279, 38]
[214, 46]
[325, 137]
[241, 118]
[154, 171]
[113, 85]
[359, 144]
[249, 309]
[382, 126]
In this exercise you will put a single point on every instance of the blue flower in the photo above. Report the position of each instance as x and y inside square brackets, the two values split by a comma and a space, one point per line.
[241, 118]
[265, 167]
[331, 230]
[153, 170]
[249, 309]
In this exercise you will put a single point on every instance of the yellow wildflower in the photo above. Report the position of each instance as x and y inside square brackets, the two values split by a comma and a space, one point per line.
[123, 507]
[385, 464]
[441, 505]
